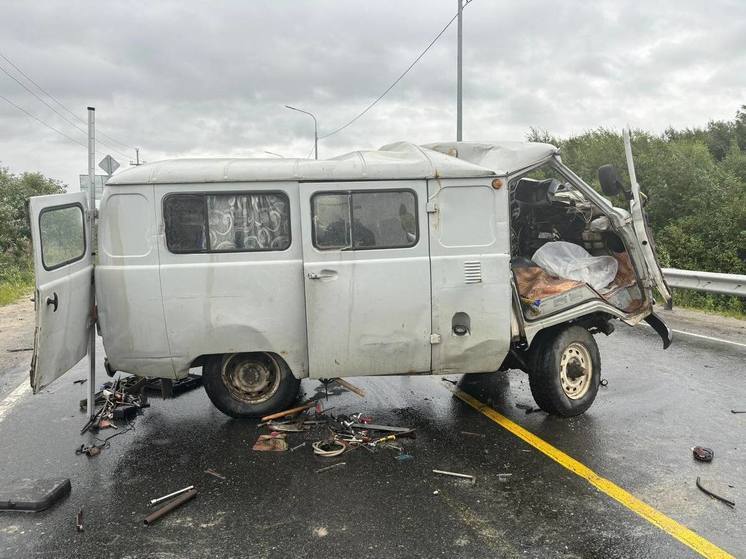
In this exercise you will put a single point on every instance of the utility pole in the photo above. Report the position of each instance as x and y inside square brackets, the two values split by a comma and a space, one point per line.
[459, 113]
[315, 129]
[92, 223]
[137, 158]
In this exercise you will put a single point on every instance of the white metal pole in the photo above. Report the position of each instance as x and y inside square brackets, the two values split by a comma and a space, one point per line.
[459, 114]
[92, 221]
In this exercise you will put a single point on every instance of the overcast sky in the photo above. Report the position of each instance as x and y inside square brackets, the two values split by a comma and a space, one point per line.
[193, 79]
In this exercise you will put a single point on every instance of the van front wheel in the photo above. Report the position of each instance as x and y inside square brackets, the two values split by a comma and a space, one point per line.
[249, 384]
[566, 373]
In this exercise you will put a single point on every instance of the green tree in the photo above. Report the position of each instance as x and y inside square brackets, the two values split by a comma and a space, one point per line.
[15, 190]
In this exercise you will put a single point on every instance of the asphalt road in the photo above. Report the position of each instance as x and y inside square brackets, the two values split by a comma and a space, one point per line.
[638, 434]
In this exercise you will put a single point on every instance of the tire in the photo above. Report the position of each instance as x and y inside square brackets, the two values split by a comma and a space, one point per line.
[566, 371]
[249, 385]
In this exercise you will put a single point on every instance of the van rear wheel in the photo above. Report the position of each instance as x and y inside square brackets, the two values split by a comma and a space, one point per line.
[249, 384]
[566, 373]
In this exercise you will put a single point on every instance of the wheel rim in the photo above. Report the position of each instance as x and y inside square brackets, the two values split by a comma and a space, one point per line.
[251, 378]
[576, 371]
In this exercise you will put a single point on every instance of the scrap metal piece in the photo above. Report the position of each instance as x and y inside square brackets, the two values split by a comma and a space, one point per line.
[375, 427]
[471, 434]
[455, 474]
[290, 427]
[214, 473]
[737, 411]
[164, 510]
[337, 465]
[298, 446]
[179, 492]
[728, 502]
[79, 521]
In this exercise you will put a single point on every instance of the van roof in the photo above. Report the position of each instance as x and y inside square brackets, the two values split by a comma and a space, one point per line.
[401, 160]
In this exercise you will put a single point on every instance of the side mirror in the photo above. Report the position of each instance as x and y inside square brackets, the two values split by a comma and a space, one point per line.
[610, 183]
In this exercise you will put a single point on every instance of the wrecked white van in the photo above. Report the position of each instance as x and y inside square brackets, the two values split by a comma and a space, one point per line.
[406, 260]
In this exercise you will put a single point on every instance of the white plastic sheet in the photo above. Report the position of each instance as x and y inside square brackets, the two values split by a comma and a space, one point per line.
[571, 261]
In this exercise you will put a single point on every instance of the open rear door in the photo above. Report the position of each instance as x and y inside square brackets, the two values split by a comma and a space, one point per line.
[642, 230]
[63, 268]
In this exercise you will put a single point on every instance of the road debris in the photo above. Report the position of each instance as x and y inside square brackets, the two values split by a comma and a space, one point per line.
[214, 473]
[471, 434]
[168, 507]
[455, 474]
[298, 446]
[119, 400]
[351, 387]
[337, 465]
[89, 451]
[274, 442]
[79, 521]
[404, 457]
[170, 495]
[329, 449]
[703, 454]
[289, 427]
[291, 411]
[737, 411]
[728, 502]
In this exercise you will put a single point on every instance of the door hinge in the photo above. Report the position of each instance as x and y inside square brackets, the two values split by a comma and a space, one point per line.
[434, 339]
[431, 207]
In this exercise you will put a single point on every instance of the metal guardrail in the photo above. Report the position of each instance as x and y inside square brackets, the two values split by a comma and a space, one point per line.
[725, 284]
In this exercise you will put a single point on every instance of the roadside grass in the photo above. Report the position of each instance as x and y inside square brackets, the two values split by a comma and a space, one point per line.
[723, 305]
[16, 281]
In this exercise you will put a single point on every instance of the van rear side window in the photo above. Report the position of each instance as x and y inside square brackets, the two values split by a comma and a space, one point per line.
[62, 235]
[227, 222]
[364, 220]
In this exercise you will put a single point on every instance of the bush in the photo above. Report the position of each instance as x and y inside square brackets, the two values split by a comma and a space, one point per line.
[695, 180]
[16, 269]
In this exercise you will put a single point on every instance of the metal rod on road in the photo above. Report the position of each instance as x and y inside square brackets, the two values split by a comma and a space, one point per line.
[179, 492]
[458, 73]
[91, 252]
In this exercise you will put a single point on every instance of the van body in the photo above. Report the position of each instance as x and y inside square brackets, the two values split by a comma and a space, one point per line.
[404, 260]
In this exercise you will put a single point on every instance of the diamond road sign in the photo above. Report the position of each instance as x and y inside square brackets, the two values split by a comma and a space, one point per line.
[109, 164]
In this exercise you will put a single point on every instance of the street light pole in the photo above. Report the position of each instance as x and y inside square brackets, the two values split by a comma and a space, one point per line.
[315, 129]
[458, 75]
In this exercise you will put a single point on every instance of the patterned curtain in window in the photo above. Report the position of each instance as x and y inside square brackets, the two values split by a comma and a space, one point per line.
[248, 222]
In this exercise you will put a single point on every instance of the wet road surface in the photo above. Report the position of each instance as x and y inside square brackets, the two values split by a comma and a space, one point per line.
[638, 434]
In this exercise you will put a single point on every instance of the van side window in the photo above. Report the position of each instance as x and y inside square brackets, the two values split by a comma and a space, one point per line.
[227, 222]
[62, 234]
[364, 220]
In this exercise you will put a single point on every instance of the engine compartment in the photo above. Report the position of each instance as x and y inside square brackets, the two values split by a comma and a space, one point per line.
[548, 210]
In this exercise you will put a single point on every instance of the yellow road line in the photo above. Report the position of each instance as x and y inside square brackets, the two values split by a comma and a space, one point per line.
[654, 516]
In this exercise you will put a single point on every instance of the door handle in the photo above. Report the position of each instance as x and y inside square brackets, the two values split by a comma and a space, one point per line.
[53, 301]
[324, 274]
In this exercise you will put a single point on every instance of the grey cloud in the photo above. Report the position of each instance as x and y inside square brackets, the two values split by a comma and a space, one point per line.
[207, 79]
